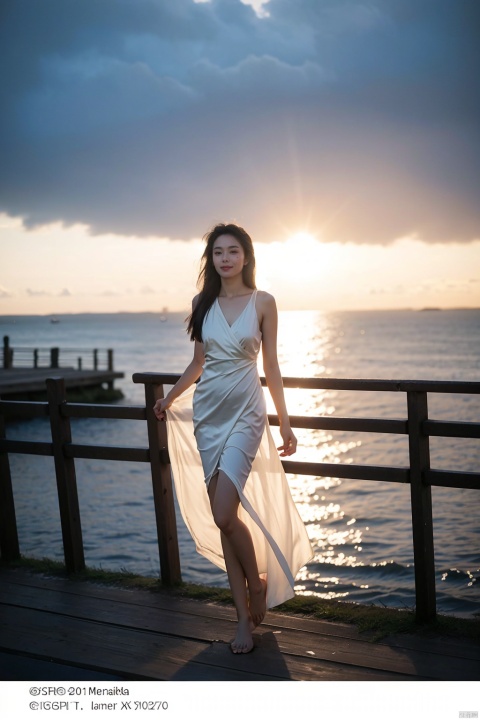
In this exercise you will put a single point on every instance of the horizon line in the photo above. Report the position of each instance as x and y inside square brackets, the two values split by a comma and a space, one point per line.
[176, 312]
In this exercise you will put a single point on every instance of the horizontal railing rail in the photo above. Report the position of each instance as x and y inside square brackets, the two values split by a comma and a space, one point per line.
[467, 387]
[417, 426]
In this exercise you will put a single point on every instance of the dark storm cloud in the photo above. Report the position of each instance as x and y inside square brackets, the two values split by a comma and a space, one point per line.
[151, 117]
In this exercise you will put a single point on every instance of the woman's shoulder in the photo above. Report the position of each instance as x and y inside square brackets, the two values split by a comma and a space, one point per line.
[265, 299]
[266, 305]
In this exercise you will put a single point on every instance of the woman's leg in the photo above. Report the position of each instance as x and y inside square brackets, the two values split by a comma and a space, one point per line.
[239, 552]
[243, 641]
[236, 575]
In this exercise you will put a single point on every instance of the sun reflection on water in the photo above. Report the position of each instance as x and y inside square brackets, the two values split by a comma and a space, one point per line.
[306, 343]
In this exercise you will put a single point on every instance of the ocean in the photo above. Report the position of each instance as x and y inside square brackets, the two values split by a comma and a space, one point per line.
[360, 530]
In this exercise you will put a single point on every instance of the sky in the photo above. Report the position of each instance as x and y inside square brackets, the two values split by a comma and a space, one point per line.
[343, 135]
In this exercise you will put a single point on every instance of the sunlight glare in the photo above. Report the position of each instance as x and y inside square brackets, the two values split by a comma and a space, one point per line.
[303, 262]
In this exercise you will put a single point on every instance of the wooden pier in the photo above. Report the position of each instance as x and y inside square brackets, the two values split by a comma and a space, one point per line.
[20, 383]
[62, 629]
[25, 370]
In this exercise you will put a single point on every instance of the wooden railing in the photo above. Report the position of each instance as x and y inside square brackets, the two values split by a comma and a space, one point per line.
[54, 357]
[418, 474]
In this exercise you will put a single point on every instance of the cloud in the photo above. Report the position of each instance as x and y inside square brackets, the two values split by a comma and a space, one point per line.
[45, 293]
[110, 293]
[37, 293]
[357, 120]
[5, 293]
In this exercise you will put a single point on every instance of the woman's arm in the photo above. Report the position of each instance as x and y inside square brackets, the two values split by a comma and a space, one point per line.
[269, 324]
[190, 375]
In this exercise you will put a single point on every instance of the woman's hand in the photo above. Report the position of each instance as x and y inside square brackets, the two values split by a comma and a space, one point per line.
[160, 406]
[289, 441]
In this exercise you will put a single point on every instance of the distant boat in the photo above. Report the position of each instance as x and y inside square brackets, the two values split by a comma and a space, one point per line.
[54, 319]
[430, 309]
[163, 316]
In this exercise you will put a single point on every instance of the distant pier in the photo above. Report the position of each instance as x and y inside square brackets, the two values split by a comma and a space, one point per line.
[88, 374]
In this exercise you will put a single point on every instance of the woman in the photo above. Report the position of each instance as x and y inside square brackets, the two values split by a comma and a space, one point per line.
[262, 541]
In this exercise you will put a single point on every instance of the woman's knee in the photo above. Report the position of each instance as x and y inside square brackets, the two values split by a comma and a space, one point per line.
[224, 520]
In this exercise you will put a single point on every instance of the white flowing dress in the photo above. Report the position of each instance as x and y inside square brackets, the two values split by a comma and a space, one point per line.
[222, 425]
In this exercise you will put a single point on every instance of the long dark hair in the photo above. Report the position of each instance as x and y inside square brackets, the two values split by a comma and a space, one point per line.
[209, 282]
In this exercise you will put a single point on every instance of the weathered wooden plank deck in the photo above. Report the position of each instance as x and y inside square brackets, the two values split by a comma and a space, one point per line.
[55, 629]
[22, 381]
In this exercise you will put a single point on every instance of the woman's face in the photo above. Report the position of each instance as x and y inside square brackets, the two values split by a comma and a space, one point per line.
[228, 256]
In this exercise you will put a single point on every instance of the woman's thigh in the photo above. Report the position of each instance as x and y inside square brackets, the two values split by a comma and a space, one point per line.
[223, 494]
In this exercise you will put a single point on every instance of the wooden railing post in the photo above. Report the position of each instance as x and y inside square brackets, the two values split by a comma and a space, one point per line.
[95, 359]
[162, 491]
[421, 499]
[66, 477]
[7, 353]
[54, 357]
[35, 358]
[110, 359]
[8, 523]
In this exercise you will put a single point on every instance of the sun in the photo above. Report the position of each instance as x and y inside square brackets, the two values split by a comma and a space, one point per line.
[298, 263]
[305, 251]
[303, 240]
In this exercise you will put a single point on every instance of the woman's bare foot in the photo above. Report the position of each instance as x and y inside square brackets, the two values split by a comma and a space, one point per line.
[243, 642]
[258, 603]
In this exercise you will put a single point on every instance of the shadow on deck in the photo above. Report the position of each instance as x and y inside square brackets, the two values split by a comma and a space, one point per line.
[56, 629]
